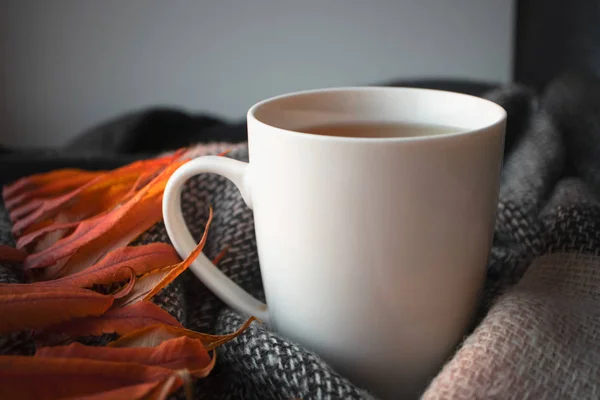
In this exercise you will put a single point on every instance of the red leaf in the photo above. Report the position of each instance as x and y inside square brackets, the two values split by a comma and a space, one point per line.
[125, 290]
[172, 383]
[158, 390]
[71, 217]
[151, 336]
[23, 308]
[77, 224]
[10, 254]
[114, 268]
[121, 320]
[45, 185]
[112, 184]
[153, 282]
[143, 208]
[220, 256]
[132, 225]
[38, 378]
[142, 259]
[29, 238]
[178, 353]
[50, 232]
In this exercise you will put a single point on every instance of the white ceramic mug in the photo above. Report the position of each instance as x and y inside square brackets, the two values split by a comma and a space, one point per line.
[372, 250]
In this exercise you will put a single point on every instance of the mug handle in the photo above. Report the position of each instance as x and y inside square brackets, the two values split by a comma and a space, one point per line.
[228, 291]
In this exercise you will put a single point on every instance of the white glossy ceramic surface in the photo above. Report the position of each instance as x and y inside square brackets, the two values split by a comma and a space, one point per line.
[372, 251]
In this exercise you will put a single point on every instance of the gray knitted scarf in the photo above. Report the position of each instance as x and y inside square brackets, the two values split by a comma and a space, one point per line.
[536, 335]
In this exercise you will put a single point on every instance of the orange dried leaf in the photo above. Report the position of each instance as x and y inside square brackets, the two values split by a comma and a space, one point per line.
[148, 282]
[96, 194]
[23, 210]
[124, 291]
[46, 233]
[171, 383]
[125, 231]
[127, 217]
[45, 274]
[220, 256]
[123, 177]
[154, 335]
[84, 233]
[46, 185]
[10, 254]
[157, 390]
[175, 354]
[122, 321]
[142, 259]
[175, 272]
[139, 219]
[38, 210]
[153, 282]
[99, 204]
[23, 308]
[37, 378]
[142, 180]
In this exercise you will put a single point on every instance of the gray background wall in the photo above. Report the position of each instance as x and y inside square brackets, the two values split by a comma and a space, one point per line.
[68, 64]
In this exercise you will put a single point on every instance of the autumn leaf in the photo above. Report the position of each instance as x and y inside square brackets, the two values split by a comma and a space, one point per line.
[121, 320]
[38, 378]
[34, 214]
[10, 254]
[47, 233]
[153, 282]
[69, 218]
[23, 308]
[168, 385]
[175, 354]
[154, 335]
[147, 391]
[38, 210]
[125, 290]
[219, 257]
[120, 234]
[84, 232]
[76, 227]
[142, 259]
[53, 229]
[45, 185]
[143, 211]
[141, 218]
[50, 226]
[86, 195]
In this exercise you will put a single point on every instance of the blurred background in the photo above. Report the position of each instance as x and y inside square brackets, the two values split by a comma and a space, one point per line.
[66, 65]
[86, 68]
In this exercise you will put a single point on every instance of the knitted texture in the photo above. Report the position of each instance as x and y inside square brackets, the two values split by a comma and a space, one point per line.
[536, 335]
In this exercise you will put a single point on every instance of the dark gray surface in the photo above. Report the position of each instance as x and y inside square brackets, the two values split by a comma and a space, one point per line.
[556, 36]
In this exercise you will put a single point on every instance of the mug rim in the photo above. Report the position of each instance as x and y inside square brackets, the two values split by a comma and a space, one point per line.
[501, 119]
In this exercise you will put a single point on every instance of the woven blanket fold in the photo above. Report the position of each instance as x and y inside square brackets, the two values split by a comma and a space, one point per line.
[537, 333]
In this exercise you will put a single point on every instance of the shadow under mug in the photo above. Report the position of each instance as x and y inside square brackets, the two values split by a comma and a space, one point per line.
[372, 250]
